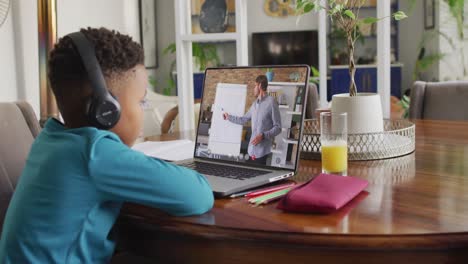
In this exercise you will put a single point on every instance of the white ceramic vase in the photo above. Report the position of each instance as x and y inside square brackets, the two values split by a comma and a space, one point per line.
[364, 111]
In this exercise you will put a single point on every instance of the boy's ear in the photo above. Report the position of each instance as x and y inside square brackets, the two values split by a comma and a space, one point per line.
[111, 92]
[114, 86]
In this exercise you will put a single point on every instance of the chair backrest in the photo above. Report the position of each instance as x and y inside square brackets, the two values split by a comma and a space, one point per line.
[154, 115]
[170, 124]
[439, 100]
[18, 128]
[312, 101]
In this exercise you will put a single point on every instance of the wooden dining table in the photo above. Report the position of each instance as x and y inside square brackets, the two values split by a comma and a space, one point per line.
[415, 210]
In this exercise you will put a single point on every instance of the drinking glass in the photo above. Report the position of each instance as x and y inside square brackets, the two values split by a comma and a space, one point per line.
[334, 141]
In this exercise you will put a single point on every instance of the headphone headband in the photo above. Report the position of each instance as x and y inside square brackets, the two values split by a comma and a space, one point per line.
[102, 109]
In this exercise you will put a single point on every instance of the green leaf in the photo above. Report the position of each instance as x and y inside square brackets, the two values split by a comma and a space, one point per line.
[404, 104]
[300, 4]
[405, 98]
[339, 7]
[309, 7]
[370, 20]
[350, 14]
[170, 49]
[457, 11]
[406, 113]
[152, 81]
[315, 72]
[425, 63]
[399, 15]
[314, 80]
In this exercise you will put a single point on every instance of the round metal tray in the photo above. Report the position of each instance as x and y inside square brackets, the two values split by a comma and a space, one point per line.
[397, 139]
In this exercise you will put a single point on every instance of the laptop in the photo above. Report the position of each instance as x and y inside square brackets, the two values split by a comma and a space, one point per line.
[247, 138]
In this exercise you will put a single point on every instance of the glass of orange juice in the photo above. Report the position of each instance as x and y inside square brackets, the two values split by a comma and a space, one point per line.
[334, 142]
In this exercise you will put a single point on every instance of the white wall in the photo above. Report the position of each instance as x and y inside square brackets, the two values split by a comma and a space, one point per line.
[451, 66]
[26, 51]
[19, 68]
[166, 35]
[7, 66]
[454, 65]
[409, 46]
[121, 15]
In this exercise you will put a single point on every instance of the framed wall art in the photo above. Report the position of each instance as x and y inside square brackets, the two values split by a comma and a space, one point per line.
[429, 14]
[148, 32]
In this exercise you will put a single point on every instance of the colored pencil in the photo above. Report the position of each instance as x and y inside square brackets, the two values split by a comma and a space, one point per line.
[269, 190]
[257, 192]
[260, 199]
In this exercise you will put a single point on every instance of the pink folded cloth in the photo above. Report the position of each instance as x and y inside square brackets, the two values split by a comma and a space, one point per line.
[323, 194]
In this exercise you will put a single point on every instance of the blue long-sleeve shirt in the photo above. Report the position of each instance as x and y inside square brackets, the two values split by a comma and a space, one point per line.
[71, 191]
[266, 119]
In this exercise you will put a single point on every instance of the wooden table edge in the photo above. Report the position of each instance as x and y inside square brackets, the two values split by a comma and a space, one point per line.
[435, 241]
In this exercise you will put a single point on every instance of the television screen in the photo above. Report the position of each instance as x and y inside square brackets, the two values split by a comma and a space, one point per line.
[282, 48]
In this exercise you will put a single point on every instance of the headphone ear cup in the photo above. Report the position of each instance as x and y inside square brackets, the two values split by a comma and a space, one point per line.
[115, 98]
[88, 105]
[103, 113]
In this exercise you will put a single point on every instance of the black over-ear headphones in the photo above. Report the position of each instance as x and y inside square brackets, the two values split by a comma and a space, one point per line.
[102, 109]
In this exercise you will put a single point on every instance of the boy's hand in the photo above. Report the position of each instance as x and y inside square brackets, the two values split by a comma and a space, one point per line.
[225, 116]
[257, 139]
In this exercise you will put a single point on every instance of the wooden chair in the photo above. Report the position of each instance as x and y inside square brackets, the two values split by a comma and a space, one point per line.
[170, 122]
[158, 106]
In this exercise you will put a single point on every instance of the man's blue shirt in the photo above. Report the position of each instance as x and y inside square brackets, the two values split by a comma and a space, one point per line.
[266, 118]
[71, 191]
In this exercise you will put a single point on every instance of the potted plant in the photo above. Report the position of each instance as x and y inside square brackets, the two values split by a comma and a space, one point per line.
[364, 109]
[204, 55]
[270, 74]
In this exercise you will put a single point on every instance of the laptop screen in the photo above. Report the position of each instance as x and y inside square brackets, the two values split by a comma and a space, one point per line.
[253, 115]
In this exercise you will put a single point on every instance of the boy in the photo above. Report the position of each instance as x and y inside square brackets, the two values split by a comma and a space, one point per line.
[77, 177]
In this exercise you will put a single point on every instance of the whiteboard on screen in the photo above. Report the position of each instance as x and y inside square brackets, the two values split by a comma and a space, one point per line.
[225, 137]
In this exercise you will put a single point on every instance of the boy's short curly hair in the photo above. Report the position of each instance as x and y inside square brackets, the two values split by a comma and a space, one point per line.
[115, 52]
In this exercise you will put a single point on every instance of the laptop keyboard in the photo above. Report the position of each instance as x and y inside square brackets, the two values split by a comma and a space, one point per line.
[224, 171]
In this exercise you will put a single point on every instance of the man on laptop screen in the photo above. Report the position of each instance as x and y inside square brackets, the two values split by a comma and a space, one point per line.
[249, 128]
[265, 120]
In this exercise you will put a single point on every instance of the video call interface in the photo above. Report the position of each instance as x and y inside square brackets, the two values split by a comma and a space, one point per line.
[243, 121]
